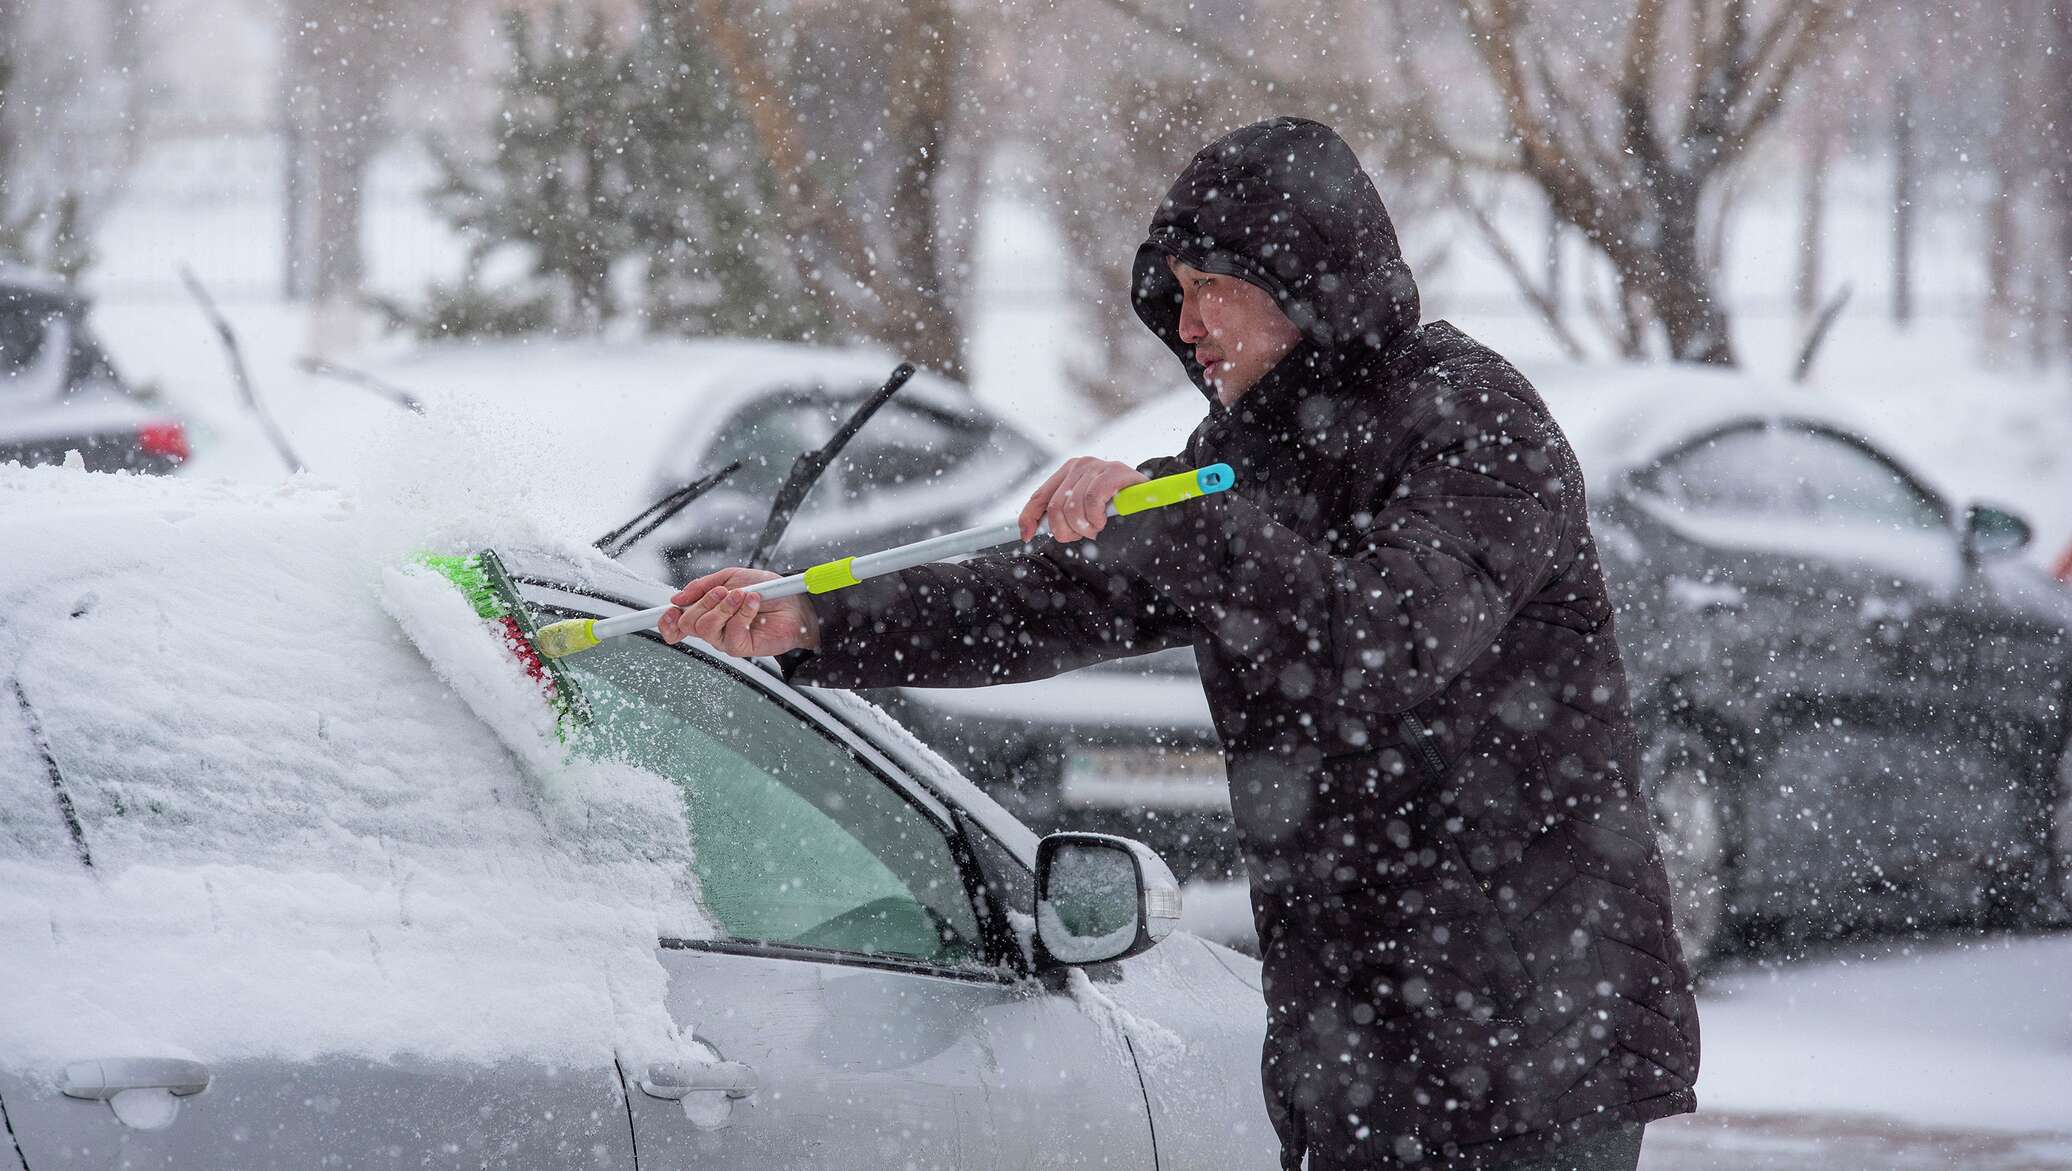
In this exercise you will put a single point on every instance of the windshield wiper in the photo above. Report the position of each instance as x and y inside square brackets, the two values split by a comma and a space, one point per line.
[57, 776]
[807, 469]
[620, 539]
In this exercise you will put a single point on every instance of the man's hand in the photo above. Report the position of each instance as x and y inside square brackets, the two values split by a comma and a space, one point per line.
[715, 608]
[1075, 498]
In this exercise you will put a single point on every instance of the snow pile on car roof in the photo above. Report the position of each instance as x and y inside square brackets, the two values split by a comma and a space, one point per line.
[302, 841]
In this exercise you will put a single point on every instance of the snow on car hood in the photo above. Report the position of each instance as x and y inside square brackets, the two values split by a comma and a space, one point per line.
[303, 842]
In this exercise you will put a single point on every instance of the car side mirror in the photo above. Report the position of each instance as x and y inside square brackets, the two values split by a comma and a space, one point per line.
[1994, 532]
[1100, 897]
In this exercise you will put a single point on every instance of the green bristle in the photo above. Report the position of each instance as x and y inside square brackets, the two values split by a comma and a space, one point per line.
[468, 576]
[486, 584]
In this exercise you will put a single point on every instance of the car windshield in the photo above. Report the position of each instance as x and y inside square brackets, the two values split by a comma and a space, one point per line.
[795, 840]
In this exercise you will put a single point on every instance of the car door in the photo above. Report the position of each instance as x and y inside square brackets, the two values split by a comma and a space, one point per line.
[856, 1001]
[1826, 585]
[121, 1061]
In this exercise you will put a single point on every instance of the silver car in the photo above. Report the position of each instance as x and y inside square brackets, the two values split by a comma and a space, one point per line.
[903, 999]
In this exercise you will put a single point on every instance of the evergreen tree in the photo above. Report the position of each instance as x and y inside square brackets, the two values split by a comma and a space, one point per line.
[624, 174]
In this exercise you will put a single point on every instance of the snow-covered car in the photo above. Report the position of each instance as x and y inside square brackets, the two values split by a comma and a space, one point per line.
[647, 417]
[59, 393]
[300, 867]
[1853, 698]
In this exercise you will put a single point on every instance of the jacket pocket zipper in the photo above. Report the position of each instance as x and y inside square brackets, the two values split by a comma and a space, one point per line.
[1420, 738]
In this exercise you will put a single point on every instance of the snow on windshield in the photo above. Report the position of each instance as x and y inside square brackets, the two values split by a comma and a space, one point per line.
[302, 841]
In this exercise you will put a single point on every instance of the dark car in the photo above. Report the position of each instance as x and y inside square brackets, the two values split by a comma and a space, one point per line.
[1852, 695]
[59, 393]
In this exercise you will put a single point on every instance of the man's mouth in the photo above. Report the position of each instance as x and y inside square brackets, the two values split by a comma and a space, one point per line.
[1209, 362]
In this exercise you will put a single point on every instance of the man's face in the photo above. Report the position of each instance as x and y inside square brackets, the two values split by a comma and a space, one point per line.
[1237, 331]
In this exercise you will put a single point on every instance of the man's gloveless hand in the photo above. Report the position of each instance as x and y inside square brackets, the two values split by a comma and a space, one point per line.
[717, 609]
[1075, 498]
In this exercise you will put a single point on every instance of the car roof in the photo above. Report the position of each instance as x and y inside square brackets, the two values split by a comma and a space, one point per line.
[1615, 417]
[1622, 417]
[653, 403]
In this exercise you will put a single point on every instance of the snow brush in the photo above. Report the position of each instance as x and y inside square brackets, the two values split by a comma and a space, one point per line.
[482, 579]
[561, 639]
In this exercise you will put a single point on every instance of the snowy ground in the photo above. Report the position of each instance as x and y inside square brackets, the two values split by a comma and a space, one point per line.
[1939, 1053]
[1943, 1053]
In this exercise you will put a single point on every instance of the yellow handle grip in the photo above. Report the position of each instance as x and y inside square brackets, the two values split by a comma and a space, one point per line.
[1174, 488]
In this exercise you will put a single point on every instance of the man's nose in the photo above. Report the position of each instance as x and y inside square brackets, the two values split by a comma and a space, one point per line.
[1191, 330]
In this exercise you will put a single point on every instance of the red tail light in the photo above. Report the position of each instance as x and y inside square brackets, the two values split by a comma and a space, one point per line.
[168, 439]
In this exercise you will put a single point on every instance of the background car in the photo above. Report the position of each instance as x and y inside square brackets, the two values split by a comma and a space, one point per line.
[926, 462]
[281, 893]
[59, 392]
[1852, 695]
[645, 418]
[1850, 689]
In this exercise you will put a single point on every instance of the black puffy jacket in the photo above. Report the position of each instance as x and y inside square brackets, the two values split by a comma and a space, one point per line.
[1408, 648]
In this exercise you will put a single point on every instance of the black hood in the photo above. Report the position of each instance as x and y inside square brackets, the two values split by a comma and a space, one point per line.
[1285, 205]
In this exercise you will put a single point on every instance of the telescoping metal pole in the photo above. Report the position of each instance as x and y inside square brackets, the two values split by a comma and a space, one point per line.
[576, 634]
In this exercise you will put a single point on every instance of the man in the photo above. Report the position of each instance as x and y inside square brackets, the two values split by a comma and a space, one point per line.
[1408, 649]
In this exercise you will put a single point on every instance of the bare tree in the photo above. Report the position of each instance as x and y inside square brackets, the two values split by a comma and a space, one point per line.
[333, 63]
[875, 264]
[1628, 150]
[1114, 128]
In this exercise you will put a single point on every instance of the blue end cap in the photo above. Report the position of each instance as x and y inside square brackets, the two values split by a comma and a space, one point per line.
[1215, 478]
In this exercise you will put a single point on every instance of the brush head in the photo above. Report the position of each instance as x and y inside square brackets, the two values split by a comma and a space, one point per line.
[473, 581]
[483, 581]
[560, 639]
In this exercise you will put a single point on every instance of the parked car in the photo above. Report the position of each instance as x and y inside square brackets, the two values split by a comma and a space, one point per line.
[1852, 697]
[283, 893]
[647, 417]
[60, 393]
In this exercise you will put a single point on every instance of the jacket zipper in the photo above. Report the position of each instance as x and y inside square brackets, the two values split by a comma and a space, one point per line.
[1420, 739]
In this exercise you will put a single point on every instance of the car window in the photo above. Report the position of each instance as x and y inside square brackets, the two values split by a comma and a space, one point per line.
[766, 438]
[34, 349]
[1791, 472]
[902, 446]
[795, 841]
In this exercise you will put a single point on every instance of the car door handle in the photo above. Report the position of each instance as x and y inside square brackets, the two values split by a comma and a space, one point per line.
[675, 1080]
[98, 1081]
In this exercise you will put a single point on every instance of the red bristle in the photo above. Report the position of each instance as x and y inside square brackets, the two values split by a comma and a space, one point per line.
[527, 654]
